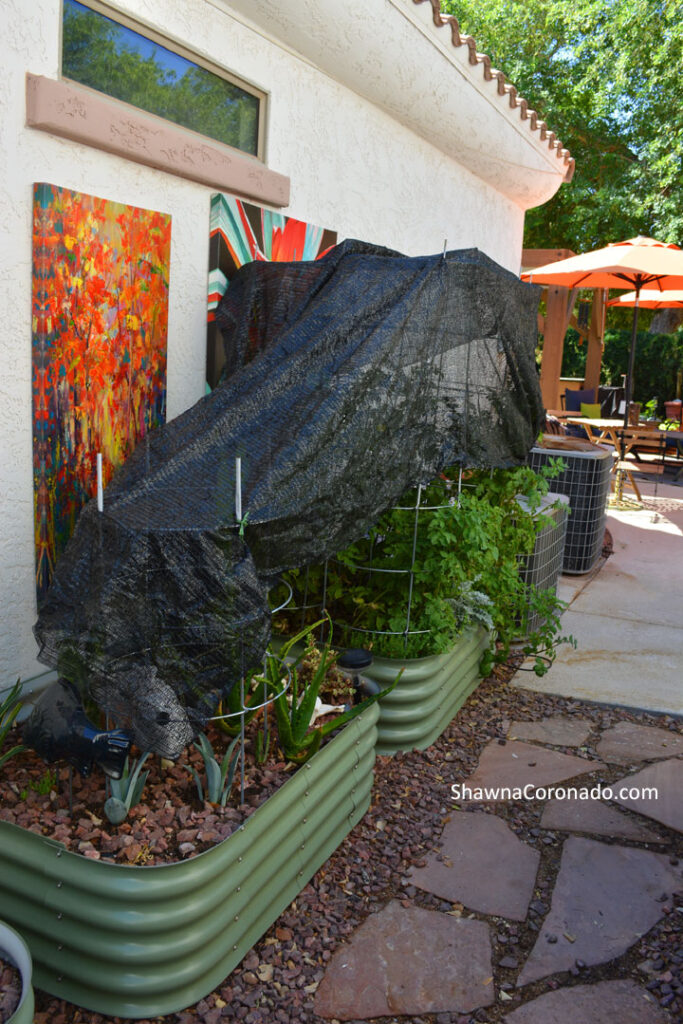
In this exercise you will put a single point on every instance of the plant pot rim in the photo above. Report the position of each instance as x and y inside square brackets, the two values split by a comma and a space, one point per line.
[18, 953]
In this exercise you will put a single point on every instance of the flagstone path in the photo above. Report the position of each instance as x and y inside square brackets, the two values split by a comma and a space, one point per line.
[629, 742]
[488, 932]
[482, 864]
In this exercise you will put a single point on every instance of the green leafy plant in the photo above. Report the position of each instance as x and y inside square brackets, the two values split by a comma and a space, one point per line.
[44, 785]
[126, 791]
[218, 778]
[465, 549]
[649, 410]
[298, 735]
[9, 709]
[255, 694]
[541, 642]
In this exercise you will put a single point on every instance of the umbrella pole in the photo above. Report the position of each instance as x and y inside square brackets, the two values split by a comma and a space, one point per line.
[631, 360]
[619, 482]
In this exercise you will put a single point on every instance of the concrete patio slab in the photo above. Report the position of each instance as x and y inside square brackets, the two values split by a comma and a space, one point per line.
[605, 898]
[594, 817]
[558, 731]
[666, 806]
[629, 742]
[640, 539]
[617, 661]
[483, 865]
[628, 628]
[408, 961]
[621, 1001]
[515, 766]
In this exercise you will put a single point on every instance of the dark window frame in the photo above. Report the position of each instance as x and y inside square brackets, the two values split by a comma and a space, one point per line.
[148, 31]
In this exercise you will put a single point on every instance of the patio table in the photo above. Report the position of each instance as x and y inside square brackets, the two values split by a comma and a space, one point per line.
[599, 429]
[630, 441]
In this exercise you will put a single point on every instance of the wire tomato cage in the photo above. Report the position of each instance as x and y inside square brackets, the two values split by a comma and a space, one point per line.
[418, 508]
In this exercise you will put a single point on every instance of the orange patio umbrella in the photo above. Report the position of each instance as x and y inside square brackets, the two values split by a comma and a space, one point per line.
[649, 299]
[637, 263]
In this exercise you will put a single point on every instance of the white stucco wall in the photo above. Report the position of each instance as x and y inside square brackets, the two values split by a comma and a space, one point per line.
[353, 168]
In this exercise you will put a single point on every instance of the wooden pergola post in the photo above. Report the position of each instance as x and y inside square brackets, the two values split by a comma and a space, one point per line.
[554, 330]
[596, 333]
[553, 327]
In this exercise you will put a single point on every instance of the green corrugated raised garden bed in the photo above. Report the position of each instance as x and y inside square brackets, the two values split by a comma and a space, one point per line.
[135, 941]
[429, 693]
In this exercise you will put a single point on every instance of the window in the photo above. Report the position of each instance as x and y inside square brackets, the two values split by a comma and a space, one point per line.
[135, 67]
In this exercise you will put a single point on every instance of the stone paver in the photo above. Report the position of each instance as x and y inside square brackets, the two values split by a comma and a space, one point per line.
[667, 807]
[562, 732]
[607, 1001]
[594, 817]
[630, 742]
[484, 866]
[408, 961]
[515, 765]
[605, 898]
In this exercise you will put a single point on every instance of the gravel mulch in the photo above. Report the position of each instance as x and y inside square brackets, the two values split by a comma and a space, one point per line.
[277, 980]
[170, 823]
[10, 990]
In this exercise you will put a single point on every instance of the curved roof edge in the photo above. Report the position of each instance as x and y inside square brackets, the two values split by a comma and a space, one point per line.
[396, 55]
[504, 87]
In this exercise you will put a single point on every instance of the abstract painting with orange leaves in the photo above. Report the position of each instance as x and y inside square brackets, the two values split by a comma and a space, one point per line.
[100, 316]
[241, 232]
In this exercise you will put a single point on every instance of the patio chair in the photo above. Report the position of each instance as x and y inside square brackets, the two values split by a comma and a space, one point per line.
[632, 445]
[571, 402]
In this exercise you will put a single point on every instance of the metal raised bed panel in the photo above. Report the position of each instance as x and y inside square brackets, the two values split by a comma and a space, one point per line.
[429, 693]
[145, 941]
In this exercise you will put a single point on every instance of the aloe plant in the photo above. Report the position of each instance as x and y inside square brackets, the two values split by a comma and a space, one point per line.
[9, 709]
[295, 709]
[219, 778]
[236, 708]
[126, 791]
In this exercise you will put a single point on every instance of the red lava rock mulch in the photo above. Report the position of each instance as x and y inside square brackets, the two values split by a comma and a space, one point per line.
[169, 823]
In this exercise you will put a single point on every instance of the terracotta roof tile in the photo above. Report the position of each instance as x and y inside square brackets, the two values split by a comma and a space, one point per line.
[503, 86]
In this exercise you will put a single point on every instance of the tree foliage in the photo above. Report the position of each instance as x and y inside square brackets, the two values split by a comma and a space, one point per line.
[659, 360]
[605, 76]
[102, 54]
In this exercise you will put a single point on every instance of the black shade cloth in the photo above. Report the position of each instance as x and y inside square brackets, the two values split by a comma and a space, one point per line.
[349, 379]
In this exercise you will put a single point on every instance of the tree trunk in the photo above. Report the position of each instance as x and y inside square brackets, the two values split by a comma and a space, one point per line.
[665, 321]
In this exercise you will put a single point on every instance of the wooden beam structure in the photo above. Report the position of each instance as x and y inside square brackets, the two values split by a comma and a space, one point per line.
[596, 333]
[554, 329]
[534, 258]
[553, 326]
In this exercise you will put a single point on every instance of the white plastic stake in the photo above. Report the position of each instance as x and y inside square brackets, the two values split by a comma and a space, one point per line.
[100, 489]
[238, 490]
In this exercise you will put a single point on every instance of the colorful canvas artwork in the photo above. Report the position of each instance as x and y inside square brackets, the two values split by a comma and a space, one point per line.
[240, 233]
[100, 314]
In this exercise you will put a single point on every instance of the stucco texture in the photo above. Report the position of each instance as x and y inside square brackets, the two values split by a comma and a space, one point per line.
[353, 168]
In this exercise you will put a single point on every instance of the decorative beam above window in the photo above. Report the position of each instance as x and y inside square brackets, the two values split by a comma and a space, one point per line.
[88, 117]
